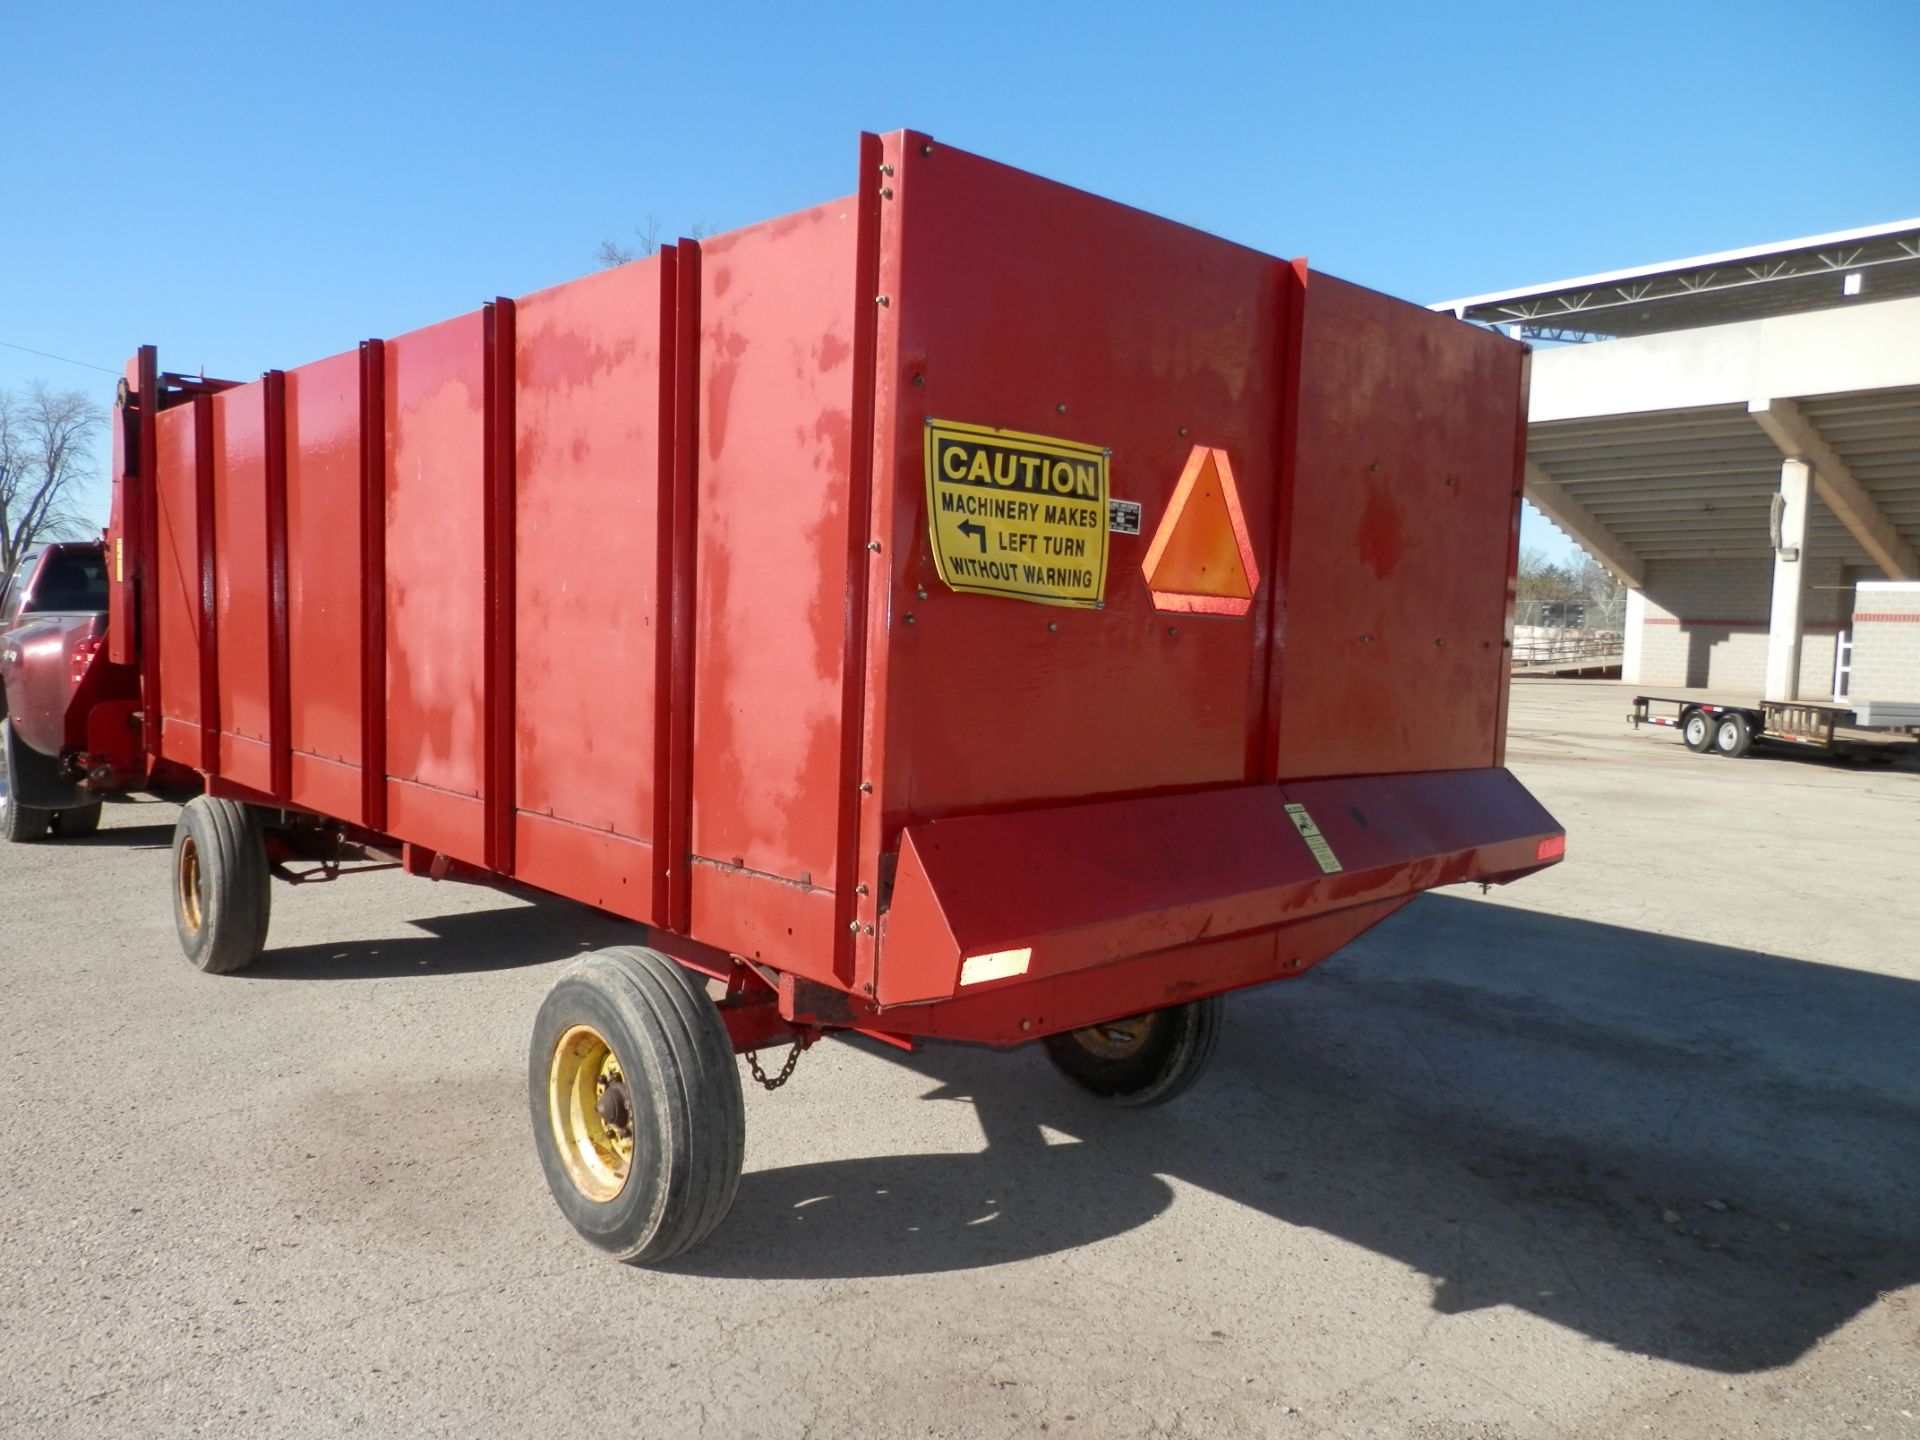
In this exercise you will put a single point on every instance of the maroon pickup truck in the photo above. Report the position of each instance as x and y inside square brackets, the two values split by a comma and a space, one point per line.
[53, 626]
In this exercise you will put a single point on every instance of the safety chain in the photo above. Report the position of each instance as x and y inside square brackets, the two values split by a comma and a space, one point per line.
[786, 1070]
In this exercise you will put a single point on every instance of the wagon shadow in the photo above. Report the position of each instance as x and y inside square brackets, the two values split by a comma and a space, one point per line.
[464, 943]
[123, 837]
[1692, 1152]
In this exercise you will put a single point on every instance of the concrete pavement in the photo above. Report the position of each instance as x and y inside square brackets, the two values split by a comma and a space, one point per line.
[1632, 1147]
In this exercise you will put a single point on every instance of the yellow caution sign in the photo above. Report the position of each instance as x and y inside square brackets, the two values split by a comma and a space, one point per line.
[1022, 516]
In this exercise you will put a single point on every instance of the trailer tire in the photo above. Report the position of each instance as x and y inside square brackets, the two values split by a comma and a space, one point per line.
[1696, 728]
[1732, 735]
[637, 1112]
[1143, 1060]
[78, 822]
[221, 900]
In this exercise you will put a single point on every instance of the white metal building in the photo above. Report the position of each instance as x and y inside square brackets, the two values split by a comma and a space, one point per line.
[1737, 436]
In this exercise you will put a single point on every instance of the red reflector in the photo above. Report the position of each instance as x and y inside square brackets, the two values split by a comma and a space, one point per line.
[1551, 848]
[83, 653]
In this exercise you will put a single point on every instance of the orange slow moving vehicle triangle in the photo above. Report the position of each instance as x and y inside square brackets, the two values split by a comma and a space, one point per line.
[1201, 560]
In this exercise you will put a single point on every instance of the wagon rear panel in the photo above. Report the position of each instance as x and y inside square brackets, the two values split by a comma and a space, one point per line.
[1405, 513]
[1028, 306]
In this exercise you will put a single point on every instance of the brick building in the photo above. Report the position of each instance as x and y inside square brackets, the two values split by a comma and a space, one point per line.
[1885, 660]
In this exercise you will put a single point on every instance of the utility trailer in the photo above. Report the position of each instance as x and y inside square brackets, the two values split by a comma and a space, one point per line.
[1871, 730]
[968, 609]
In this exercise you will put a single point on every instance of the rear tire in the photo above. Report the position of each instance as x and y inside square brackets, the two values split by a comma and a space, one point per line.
[221, 901]
[1732, 735]
[635, 1097]
[78, 822]
[1696, 728]
[1142, 1061]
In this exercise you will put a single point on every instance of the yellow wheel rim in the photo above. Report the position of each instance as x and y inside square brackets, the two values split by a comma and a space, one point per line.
[1116, 1039]
[590, 1107]
[188, 878]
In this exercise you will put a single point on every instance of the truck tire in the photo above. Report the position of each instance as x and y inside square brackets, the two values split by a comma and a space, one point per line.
[635, 1097]
[1696, 728]
[77, 822]
[1732, 735]
[18, 823]
[221, 902]
[21, 823]
[1142, 1061]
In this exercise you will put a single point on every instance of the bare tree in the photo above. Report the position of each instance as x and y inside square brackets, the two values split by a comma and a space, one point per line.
[612, 252]
[1602, 592]
[647, 238]
[1549, 587]
[46, 447]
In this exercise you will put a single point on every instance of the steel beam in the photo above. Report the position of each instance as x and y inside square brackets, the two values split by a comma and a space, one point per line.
[1789, 428]
[1552, 501]
[1722, 446]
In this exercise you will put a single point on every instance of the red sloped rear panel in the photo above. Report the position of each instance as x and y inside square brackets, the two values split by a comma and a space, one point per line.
[324, 583]
[1128, 877]
[243, 608]
[1401, 535]
[436, 586]
[775, 456]
[588, 414]
[179, 585]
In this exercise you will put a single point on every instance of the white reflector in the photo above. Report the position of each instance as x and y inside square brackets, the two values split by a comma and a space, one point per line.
[995, 966]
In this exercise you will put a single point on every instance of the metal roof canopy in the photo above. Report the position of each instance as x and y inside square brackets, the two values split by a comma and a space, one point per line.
[1669, 447]
[1878, 262]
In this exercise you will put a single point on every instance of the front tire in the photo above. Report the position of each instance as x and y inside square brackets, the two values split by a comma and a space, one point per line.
[1145, 1060]
[221, 901]
[637, 1112]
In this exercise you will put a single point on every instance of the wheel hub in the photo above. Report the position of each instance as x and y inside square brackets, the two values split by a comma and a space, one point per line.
[188, 879]
[590, 1107]
[1116, 1039]
[615, 1105]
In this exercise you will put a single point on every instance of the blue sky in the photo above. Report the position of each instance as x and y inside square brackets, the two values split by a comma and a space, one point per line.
[260, 185]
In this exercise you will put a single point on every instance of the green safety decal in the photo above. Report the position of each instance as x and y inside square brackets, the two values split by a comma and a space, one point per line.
[1316, 842]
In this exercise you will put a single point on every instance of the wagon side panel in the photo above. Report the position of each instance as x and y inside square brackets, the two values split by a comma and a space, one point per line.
[435, 584]
[324, 585]
[589, 418]
[243, 605]
[176, 514]
[774, 441]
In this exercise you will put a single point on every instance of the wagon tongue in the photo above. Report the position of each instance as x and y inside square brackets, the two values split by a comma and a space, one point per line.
[1044, 892]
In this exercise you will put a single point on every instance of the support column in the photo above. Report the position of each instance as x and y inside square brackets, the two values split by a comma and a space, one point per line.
[1789, 581]
[1632, 637]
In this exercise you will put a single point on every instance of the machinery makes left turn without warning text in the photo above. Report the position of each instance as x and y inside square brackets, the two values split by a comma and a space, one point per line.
[1022, 516]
